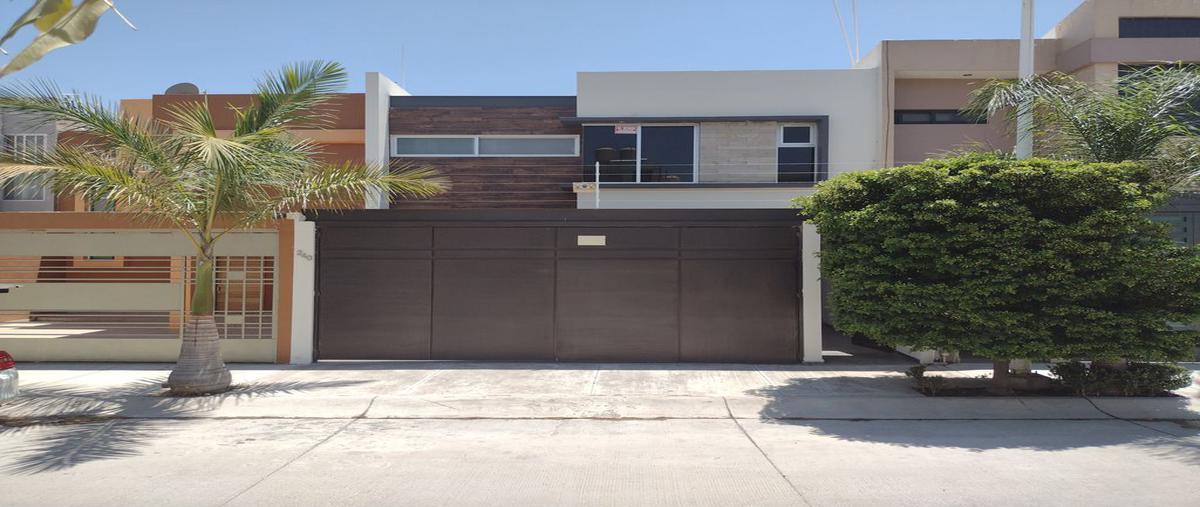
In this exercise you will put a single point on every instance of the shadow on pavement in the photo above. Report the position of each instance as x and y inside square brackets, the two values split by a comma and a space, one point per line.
[77, 425]
[1171, 437]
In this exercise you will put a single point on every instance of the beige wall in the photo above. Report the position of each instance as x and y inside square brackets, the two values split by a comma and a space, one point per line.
[1099, 19]
[742, 152]
[982, 58]
[915, 143]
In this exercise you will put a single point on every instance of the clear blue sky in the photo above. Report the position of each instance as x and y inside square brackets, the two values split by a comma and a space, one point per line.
[510, 47]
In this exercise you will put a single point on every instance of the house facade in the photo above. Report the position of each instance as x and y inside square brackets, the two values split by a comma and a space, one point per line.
[724, 139]
[644, 218]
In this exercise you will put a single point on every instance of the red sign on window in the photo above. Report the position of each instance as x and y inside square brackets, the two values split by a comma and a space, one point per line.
[625, 129]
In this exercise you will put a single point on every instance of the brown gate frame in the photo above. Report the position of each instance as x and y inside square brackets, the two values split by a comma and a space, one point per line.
[564, 218]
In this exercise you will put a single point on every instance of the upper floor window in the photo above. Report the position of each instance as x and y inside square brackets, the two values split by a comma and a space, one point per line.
[485, 146]
[641, 153]
[17, 190]
[934, 117]
[1133, 28]
[25, 143]
[797, 153]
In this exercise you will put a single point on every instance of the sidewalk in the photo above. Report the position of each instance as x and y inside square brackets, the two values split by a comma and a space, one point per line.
[489, 434]
[472, 390]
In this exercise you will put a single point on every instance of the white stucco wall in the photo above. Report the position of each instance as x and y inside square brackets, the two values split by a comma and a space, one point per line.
[850, 98]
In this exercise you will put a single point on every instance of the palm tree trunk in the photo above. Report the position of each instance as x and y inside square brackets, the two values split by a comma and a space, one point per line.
[200, 369]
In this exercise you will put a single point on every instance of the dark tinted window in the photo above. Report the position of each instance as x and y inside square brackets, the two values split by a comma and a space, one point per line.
[668, 154]
[934, 116]
[797, 165]
[914, 117]
[1159, 27]
[617, 153]
[797, 134]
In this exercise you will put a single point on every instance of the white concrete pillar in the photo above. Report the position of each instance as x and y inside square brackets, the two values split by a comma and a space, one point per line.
[810, 293]
[379, 92]
[304, 274]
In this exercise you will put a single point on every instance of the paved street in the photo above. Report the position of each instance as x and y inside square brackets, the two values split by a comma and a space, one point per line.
[538, 434]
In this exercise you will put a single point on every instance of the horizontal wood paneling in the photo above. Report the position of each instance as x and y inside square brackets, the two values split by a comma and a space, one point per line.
[492, 182]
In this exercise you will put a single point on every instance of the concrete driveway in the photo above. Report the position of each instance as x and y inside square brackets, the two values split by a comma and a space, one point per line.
[537, 434]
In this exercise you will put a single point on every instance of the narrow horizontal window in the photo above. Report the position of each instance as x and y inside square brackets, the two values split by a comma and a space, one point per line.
[1136, 28]
[435, 146]
[935, 117]
[528, 146]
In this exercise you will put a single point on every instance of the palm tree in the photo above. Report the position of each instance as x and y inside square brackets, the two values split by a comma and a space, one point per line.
[1147, 116]
[180, 171]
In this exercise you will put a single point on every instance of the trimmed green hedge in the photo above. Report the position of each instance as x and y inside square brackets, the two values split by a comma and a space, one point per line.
[1007, 259]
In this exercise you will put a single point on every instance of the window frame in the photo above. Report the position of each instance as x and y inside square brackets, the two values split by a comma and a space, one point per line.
[475, 150]
[932, 115]
[10, 147]
[638, 144]
[814, 136]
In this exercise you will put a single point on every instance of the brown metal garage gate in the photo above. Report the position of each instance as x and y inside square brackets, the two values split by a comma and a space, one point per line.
[568, 285]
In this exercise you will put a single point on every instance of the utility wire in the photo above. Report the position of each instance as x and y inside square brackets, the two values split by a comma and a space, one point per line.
[837, 11]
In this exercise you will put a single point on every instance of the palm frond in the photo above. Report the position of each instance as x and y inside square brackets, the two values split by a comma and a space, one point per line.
[1135, 118]
[291, 96]
[94, 176]
[344, 186]
[185, 170]
[102, 123]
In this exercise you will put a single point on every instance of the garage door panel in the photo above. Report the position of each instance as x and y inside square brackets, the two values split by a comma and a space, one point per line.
[738, 238]
[739, 310]
[376, 238]
[493, 309]
[375, 309]
[618, 255]
[483, 238]
[618, 310]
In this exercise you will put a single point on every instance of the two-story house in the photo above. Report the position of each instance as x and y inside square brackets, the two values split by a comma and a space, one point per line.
[646, 217]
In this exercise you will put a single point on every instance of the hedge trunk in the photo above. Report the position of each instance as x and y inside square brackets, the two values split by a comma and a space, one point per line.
[200, 369]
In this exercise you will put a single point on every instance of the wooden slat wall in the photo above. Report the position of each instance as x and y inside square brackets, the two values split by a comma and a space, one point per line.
[487, 182]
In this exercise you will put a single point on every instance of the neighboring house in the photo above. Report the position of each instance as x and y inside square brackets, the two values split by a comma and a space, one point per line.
[645, 218]
[106, 286]
[20, 133]
[928, 81]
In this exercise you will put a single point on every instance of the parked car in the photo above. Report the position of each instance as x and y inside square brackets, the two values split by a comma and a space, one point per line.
[8, 376]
